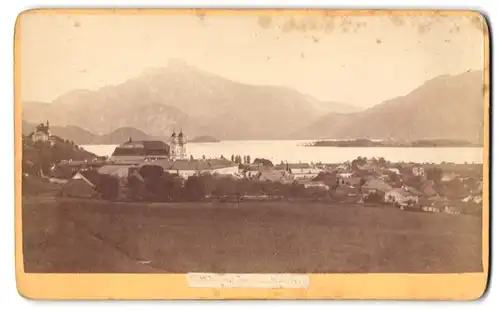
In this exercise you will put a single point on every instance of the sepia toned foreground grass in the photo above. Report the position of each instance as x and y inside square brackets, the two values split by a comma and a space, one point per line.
[254, 237]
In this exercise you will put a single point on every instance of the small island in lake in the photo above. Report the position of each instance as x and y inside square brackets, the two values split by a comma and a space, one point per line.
[204, 139]
[381, 143]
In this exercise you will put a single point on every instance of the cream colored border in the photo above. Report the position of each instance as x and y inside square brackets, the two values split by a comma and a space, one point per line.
[465, 286]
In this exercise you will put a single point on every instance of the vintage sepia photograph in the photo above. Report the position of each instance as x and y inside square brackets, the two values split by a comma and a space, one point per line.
[253, 143]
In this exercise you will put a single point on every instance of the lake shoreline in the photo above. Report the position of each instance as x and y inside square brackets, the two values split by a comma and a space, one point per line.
[296, 151]
[368, 143]
[403, 147]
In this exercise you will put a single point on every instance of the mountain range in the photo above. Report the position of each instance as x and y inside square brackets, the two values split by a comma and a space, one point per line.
[201, 103]
[446, 107]
[84, 137]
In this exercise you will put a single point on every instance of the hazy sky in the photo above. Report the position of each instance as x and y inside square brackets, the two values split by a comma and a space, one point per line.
[360, 60]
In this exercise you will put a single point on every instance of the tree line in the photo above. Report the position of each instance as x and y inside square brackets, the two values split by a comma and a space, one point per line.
[240, 160]
[152, 185]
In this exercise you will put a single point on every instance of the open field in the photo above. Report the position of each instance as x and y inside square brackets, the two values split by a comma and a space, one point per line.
[103, 237]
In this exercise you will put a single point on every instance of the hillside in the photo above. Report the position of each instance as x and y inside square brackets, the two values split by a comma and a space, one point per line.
[72, 133]
[338, 107]
[41, 156]
[448, 107]
[162, 99]
[121, 135]
[83, 137]
[204, 139]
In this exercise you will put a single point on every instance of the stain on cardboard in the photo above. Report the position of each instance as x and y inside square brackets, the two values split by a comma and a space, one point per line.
[265, 21]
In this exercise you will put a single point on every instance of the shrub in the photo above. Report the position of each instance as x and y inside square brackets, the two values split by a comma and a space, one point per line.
[264, 162]
[194, 189]
[107, 186]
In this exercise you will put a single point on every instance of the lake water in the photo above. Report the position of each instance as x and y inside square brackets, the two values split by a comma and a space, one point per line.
[294, 151]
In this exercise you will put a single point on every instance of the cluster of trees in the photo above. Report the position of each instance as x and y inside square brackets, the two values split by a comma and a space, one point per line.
[434, 173]
[263, 162]
[360, 161]
[239, 160]
[151, 185]
[107, 186]
[328, 178]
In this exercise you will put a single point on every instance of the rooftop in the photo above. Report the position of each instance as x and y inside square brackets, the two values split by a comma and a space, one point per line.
[283, 166]
[402, 192]
[203, 165]
[377, 184]
[142, 148]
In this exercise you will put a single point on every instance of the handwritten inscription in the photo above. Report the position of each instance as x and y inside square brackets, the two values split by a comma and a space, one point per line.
[213, 280]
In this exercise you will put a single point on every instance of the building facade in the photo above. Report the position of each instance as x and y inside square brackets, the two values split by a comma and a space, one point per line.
[178, 146]
[140, 151]
[41, 133]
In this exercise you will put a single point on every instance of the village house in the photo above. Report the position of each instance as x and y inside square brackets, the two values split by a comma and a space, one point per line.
[452, 210]
[345, 175]
[300, 170]
[393, 170]
[342, 168]
[400, 196]
[449, 176]
[314, 184]
[117, 170]
[346, 191]
[418, 171]
[272, 175]
[348, 181]
[413, 192]
[385, 178]
[442, 205]
[187, 168]
[369, 168]
[375, 187]
[250, 171]
[473, 198]
[427, 206]
[79, 187]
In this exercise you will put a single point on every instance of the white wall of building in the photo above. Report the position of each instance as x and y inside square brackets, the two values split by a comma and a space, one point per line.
[230, 170]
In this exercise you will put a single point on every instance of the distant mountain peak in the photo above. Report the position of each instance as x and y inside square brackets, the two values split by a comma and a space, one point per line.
[174, 66]
[178, 93]
[447, 106]
[69, 96]
[177, 63]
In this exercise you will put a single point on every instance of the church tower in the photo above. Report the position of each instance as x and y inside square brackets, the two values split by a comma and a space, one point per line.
[173, 145]
[181, 143]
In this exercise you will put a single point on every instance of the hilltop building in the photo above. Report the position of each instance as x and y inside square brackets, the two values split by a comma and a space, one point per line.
[42, 133]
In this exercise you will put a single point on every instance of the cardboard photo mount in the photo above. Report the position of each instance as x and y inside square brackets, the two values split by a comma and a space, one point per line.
[459, 286]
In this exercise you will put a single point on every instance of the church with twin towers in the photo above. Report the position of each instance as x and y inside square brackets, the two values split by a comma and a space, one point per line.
[178, 145]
